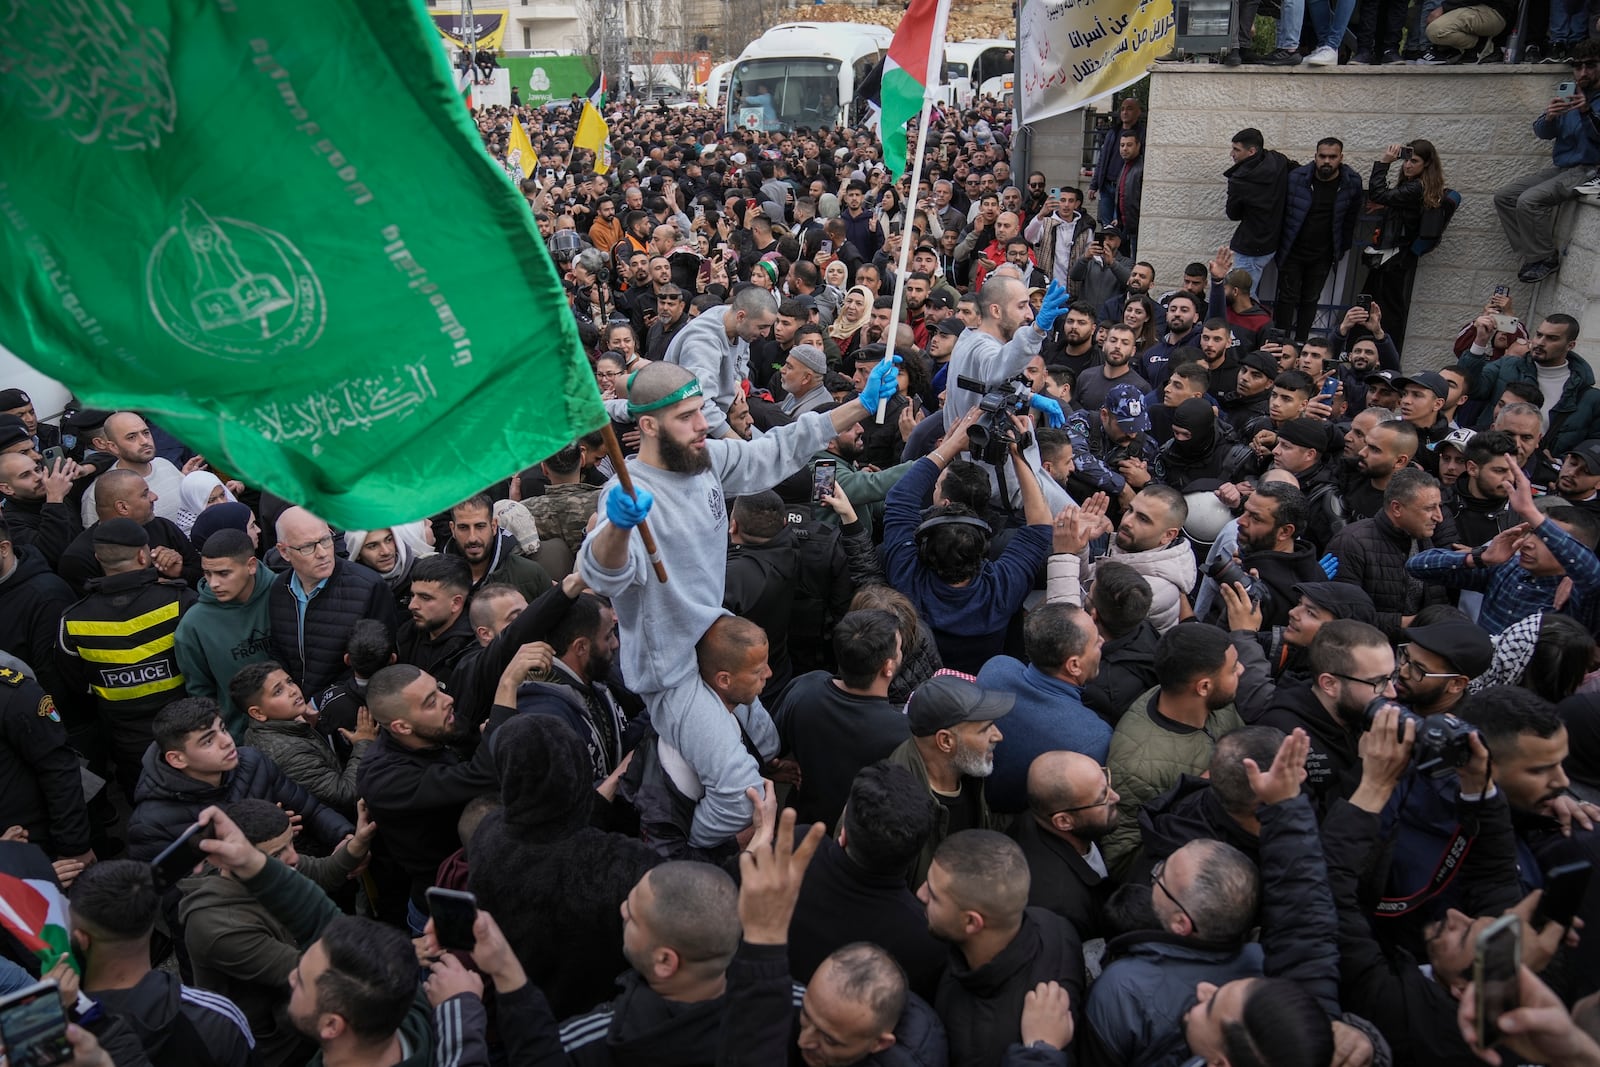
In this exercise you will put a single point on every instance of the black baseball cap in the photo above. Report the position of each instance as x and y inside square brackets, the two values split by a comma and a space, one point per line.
[947, 700]
[1341, 599]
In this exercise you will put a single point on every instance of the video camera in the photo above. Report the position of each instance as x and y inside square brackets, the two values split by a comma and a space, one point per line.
[1444, 742]
[989, 440]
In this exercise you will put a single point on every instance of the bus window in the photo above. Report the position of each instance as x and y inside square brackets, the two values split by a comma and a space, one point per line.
[782, 93]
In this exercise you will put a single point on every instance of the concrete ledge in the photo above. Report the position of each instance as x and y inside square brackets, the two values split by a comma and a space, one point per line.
[1479, 117]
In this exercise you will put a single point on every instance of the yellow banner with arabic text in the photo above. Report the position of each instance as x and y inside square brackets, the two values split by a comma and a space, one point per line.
[491, 27]
[1073, 52]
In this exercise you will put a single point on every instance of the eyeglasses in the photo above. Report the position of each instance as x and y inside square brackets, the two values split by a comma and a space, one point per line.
[1412, 669]
[608, 373]
[1155, 880]
[1380, 683]
[1036, 185]
[310, 548]
[1105, 796]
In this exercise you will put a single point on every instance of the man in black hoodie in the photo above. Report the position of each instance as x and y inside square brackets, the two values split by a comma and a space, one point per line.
[1271, 546]
[1258, 187]
[475, 535]
[114, 906]
[1119, 602]
[1302, 448]
[1001, 949]
[1351, 663]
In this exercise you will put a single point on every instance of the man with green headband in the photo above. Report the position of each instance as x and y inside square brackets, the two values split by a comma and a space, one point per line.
[681, 478]
[715, 348]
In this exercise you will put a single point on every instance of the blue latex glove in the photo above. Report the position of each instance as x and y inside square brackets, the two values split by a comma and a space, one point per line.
[1329, 565]
[1056, 299]
[882, 383]
[624, 511]
[1050, 409]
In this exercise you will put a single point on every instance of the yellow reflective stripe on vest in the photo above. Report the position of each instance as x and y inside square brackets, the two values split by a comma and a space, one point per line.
[126, 628]
[127, 655]
[137, 691]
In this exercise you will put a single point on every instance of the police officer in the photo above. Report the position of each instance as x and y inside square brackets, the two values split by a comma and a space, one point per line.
[41, 791]
[117, 642]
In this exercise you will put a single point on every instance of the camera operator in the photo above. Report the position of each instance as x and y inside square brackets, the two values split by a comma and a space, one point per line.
[1414, 1009]
[1007, 336]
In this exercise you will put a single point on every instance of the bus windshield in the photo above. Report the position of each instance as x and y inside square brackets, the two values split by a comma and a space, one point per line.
[952, 70]
[782, 93]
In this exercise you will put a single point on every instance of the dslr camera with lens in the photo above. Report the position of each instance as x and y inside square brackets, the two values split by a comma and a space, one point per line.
[1224, 570]
[1444, 742]
[991, 437]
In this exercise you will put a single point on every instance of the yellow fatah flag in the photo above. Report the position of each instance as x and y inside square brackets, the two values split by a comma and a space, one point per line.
[594, 135]
[519, 150]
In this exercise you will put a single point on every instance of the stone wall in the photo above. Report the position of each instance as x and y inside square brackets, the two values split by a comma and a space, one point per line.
[1479, 118]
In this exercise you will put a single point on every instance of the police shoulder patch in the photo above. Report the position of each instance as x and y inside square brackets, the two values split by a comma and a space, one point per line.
[47, 709]
[11, 677]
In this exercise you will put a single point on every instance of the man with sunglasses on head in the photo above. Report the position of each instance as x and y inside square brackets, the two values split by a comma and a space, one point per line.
[1527, 205]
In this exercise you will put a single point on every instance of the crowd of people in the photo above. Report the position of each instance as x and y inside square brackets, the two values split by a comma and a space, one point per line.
[1080, 669]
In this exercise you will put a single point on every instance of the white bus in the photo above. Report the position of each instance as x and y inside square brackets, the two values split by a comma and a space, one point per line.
[968, 64]
[804, 74]
[716, 87]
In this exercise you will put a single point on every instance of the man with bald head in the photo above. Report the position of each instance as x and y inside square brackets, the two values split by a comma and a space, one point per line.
[314, 605]
[36, 510]
[1007, 226]
[1071, 805]
[122, 494]
[715, 347]
[1007, 336]
[127, 436]
[682, 476]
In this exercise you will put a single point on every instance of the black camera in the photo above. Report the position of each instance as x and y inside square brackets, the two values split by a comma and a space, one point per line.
[1224, 570]
[1444, 742]
[989, 440]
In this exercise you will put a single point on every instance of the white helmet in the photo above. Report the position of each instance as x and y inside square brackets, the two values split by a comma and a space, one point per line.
[1207, 516]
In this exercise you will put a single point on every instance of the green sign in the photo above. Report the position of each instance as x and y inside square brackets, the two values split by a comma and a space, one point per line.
[274, 228]
[541, 79]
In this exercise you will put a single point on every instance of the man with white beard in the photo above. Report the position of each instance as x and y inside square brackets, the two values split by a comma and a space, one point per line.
[951, 751]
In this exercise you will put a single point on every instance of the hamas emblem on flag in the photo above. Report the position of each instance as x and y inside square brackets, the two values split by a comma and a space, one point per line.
[91, 70]
[230, 288]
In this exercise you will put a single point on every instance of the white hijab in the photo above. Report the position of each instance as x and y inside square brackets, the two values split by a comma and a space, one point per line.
[195, 493]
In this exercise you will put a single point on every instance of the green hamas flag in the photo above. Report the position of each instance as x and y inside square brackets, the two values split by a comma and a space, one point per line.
[273, 226]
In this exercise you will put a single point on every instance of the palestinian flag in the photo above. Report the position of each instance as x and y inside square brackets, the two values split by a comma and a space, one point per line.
[32, 909]
[466, 95]
[915, 58]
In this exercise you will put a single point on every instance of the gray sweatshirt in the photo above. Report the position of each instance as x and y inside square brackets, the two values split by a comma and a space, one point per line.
[703, 348]
[981, 357]
[660, 622]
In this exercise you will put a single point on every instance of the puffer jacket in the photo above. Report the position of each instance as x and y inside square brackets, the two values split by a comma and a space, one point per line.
[1326, 505]
[1135, 1011]
[1171, 574]
[1576, 415]
[1149, 753]
[1189, 811]
[314, 656]
[919, 1039]
[1257, 190]
[167, 801]
[1372, 554]
[1297, 204]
